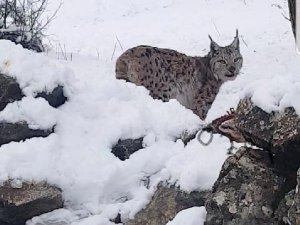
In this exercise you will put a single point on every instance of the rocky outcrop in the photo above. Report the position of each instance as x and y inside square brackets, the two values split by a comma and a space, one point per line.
[257, 186]
[278, 132]
[246, 192]
[19, 132]
[20, 201]
[166, 203]
[10, 91]
[255, 124]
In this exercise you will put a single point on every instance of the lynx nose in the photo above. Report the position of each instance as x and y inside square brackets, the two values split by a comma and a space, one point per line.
[232, 69]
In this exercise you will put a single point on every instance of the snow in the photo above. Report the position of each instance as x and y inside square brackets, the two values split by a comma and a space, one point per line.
[101, 110]
[191, 216]
[22, 111]
[34, 72]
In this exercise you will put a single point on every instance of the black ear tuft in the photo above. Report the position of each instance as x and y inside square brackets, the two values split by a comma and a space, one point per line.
[213, 45]
[236, 41]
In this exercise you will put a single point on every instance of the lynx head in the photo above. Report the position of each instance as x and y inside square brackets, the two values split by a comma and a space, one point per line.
[225, 62]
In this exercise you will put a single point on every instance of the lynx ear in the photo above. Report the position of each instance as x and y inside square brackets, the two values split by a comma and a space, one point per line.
[213, 45]
[236, 41]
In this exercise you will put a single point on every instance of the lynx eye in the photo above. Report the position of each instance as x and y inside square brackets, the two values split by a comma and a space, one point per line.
[222, 62]
[237, 59]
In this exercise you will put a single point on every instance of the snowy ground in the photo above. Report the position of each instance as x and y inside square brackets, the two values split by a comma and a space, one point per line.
[102, 110]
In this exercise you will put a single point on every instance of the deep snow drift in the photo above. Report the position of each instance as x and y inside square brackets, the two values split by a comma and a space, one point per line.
[101, 109]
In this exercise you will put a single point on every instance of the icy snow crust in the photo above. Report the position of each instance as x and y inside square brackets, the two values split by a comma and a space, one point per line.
[101, 110]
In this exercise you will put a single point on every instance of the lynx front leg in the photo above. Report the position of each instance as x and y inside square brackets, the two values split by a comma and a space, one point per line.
[203, 100]
[201, 106]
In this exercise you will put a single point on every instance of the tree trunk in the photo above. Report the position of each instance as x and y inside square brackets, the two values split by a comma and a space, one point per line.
[292, 9]
[5, 14]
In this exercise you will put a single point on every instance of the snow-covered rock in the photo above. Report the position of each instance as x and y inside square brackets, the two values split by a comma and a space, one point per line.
[10, 91]
[20, 201]
[166, 203]
[19, 131]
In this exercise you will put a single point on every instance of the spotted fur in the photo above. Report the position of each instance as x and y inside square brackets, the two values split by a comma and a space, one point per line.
[168, 74]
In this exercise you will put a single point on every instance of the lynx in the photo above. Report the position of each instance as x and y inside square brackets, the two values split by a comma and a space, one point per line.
[168, 74]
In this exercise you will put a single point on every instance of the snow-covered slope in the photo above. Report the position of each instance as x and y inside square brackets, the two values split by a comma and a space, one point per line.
[102, 110]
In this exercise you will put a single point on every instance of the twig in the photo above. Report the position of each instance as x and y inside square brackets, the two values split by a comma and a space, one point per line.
[120, 43]
[5, 13]
[283, 12]
[244, 41]
[51, 18]
[114, 51]
[215, 27]
[63, 51]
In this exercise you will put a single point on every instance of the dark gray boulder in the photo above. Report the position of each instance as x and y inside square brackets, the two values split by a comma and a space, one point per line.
[19, 132]
[255, 124]
[286, 140]
[21, 201]
[124, 148]
[34, 43]
[55, 98]
[9, 91]
[247, 191]
[166, 203]
[276, 132]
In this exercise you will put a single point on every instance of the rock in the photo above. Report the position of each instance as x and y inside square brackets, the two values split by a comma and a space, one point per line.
[286, 140]
[19, 37]
[55, 98]
[254, 123]
[166, 203]
[247, 191]
[26, 200]
[281, 213]
[258, 186]
[294, 211]
[9, 91]
[117, 219]
[124, 148]
[277, 132]
[19, 132]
